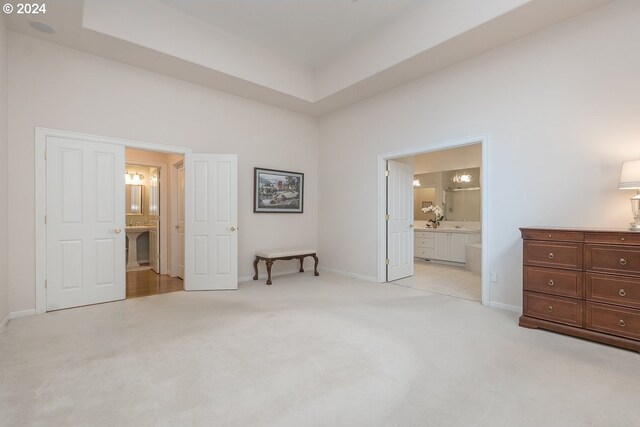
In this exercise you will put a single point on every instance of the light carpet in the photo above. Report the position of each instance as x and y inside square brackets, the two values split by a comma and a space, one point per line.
[307, 351]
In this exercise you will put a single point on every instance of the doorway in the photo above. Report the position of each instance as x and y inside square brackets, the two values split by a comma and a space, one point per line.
[433, 218]
[81, 237]
[150, 213]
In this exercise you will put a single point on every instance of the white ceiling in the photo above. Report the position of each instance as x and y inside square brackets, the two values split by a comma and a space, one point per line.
[310, 32]
[264, 49]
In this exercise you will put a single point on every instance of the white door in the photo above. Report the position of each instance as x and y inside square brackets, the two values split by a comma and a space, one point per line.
[400, 223]
[211, 215]
[85, 223]
[180, 222]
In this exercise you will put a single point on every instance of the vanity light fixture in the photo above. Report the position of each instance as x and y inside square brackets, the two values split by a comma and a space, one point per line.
[416, 183]
[133, 178]
[461, 177]
[630, 180]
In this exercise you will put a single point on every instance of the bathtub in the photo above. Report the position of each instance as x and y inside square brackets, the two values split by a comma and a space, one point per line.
[474, 258]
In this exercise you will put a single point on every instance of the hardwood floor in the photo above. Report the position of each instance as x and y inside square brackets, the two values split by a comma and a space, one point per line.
[146, 282]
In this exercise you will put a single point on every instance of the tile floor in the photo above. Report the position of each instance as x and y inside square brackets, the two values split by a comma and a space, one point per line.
[444, 279]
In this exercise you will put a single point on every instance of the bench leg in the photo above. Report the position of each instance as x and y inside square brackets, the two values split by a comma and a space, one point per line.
[269, 264]
[301, 262]
[315, 266]
[255, 268]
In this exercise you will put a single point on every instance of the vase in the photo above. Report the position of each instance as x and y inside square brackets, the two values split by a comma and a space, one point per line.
[435, 225]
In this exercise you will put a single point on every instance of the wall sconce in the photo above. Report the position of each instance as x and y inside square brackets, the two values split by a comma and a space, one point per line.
[416, 183]
[630, 180]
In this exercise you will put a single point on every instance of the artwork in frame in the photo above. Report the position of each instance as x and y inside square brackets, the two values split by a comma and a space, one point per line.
[277, 191]
[427, 204]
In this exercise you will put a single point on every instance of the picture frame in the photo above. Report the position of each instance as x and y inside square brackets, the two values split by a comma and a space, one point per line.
[427, 204]
[277, 191]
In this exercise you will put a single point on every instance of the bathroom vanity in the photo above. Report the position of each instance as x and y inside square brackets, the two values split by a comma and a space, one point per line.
[444, 243]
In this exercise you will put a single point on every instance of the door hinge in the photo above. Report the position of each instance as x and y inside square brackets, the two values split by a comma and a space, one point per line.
[45, 155]
[386, 261]
[386, 217]
[45, 283]
[386, 173]
[45, 219]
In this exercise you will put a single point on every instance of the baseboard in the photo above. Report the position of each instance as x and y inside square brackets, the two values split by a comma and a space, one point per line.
[22, 313]
[348, 274]
[264, 275]
[507, 307]
[5, 321]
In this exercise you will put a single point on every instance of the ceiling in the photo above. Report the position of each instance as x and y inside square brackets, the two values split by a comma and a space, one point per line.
[308, 56]
[307, 31]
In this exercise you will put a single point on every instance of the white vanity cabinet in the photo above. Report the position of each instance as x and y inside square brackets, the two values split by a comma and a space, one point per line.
[443, 245]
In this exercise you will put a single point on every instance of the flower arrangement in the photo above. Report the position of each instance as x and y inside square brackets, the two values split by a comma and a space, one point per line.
[437, 211]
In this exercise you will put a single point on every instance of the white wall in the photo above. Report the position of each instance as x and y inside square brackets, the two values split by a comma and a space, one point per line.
[57, 87]
[469, 156]
[4, 288]
[561, 111]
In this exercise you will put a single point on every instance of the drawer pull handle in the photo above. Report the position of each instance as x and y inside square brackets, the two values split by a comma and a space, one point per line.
[550, 308]
[623, 261]
[551, 282]
[622, 238]
[621, 323]
[621, 292]
[551, 255]
[549, 235]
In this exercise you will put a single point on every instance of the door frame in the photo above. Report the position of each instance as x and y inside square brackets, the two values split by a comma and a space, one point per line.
[41, 135]
[482, 139]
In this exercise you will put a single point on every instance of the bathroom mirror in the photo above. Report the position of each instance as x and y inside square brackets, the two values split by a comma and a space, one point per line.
[133, 200]
[457, 191]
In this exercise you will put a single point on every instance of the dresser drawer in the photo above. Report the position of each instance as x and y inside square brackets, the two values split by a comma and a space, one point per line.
[553, 308]
[424, 235]
[553, 235]
[613, 238]
[552, 281]
[553, 254]
[424, 253]
[613, 289]
[424, 243]
[612, 259]
[610, 319]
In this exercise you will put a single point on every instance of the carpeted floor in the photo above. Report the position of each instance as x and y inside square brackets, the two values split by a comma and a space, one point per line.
[307, 351]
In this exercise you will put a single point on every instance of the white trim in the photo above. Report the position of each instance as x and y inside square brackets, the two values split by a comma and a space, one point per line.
[507, 307]
[442, 145]
[22, 313]
[5, 321]
[348, 274]
[41, 135]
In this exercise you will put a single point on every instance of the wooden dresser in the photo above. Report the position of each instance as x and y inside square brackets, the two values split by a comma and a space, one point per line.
[583, 282]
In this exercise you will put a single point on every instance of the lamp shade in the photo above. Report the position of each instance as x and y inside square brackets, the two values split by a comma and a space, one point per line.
[630, 176]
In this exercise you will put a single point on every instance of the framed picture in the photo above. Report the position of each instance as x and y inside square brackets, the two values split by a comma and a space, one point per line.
[277, 191]
[427, 204]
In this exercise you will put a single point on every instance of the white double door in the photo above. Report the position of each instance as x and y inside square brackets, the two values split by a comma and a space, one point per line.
[86, 222]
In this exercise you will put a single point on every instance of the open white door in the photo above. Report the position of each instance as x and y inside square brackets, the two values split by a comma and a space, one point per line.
[85, 223]
[180, 222]
[211, 215]
[400, 222]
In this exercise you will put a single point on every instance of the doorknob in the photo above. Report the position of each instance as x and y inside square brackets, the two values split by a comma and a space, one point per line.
[233, 228]
[116, 230]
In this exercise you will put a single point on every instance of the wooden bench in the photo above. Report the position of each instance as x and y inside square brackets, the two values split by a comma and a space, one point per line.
[271, 255]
